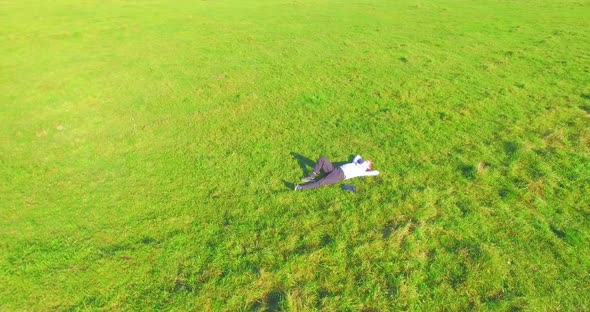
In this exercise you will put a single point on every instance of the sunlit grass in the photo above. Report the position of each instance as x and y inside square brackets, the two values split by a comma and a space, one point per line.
[148, 151]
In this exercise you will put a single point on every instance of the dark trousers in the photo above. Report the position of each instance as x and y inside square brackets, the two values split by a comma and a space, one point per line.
[333, 174]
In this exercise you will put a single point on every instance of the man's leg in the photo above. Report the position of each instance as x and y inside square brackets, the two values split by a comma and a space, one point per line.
[335, 176]
[322, 164]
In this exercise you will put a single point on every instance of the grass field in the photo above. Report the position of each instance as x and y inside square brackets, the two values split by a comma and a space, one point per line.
[148, 151]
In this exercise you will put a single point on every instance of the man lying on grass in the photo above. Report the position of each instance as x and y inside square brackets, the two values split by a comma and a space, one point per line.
[357, 168]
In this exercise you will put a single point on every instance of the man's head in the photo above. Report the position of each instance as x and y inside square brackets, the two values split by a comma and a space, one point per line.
[367, 164]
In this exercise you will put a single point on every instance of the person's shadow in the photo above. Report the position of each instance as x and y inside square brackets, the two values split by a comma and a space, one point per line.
[304, 163]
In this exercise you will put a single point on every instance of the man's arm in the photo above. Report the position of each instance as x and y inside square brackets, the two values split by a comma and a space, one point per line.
[356, 158]
[371, 173]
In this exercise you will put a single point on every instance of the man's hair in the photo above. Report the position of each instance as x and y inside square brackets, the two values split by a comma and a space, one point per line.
[370, 166]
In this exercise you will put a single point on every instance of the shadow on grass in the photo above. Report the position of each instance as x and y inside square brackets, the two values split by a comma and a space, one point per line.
[270, 302]
[289, 185]
[559, 233]
[388, 228]
[304, 163]
[510, 148]
[468, 171]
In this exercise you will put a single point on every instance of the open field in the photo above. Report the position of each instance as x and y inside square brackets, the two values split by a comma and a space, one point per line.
[148, 151]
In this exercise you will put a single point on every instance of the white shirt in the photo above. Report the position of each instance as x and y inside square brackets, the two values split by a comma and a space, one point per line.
[357, 168]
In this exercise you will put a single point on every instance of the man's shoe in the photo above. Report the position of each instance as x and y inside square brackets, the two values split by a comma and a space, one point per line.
[297, 187]
[308, 179]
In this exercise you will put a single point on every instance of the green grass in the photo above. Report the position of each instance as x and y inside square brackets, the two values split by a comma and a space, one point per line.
[147, 150]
